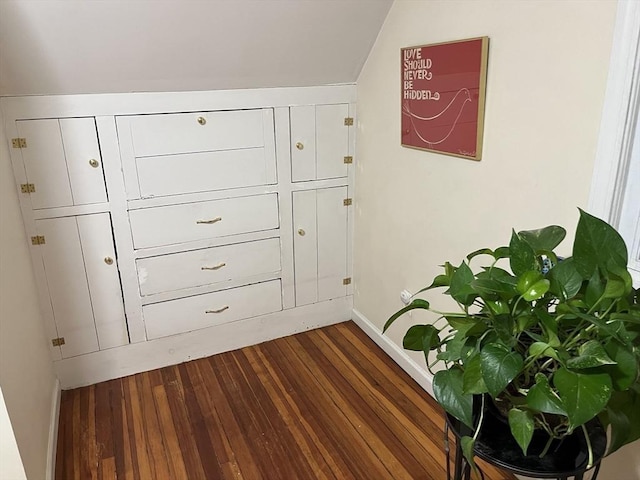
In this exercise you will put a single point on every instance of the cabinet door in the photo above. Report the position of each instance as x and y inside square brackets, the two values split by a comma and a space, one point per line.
[84, 290]
[320, 244]
[62, 160]
[104, 281]
[319, 142]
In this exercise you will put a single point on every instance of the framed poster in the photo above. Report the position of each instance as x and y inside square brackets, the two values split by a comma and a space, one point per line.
[442, 95]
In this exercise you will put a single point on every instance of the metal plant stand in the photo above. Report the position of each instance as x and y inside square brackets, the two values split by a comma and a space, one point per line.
[567, 458]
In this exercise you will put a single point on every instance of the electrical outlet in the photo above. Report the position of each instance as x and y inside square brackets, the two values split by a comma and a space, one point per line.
[405, 296]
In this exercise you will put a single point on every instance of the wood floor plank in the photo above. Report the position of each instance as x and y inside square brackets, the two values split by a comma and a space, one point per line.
[326, 404]
[395, 426]
[415, 403]
[156, 450]
[188, 447]
[290, 451]
[137, 426]
[348, 425]
[168, 433]
[248, 417]
[303, 435]
[374, 432]
[314, 422]
[237, 441]
[207, 454]
[129, 433]
[77, 437]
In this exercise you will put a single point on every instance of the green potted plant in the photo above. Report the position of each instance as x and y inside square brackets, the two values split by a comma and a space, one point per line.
[554, 342]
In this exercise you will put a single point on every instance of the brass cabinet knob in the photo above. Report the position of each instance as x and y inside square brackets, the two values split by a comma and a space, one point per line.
[301, 232]
[202, 120]
[108, 260]
[300, 146]
[94, 163]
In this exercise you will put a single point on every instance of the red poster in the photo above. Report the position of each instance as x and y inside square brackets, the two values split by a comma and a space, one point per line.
[443, 91]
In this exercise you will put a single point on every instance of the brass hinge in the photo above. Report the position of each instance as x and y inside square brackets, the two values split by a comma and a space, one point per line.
[27, 187]
[58, 342]
[348, 159]
[38, 240]
[19, 142]
[347, 201]
[348, 121]
[346, 281]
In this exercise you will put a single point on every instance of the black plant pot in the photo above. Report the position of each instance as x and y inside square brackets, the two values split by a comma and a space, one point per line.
[566, 457]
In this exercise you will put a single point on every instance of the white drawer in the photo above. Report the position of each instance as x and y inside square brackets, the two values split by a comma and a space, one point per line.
[199, 172]
[187, 222]
[201, 311]
[168, 134]
[206, 266]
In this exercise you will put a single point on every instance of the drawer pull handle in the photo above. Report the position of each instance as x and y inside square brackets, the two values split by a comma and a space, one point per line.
[94, 163]
[202, 120]
[215, 267]
[108, 260]
[300, 146]
[209, 222]
[220, 310]
[301, 232]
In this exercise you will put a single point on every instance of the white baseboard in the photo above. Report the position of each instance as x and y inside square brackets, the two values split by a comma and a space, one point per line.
[418, 373]
[53, 431]
[141, 357]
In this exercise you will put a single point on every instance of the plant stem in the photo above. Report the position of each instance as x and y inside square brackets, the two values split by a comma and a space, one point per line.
[513, 310]
[546, 447]
[586, 437]
[477, 432]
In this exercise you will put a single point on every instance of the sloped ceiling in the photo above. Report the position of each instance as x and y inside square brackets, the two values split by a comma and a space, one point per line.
[104, 46]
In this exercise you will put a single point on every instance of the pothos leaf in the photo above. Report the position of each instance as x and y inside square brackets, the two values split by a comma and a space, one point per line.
[543, 399]
[522, 257]
[418, 303]
[521, 425]
[447, 388]
[546, 238]
[467, 443]
[583, 395]
[590, 354]
[421, 338]
[596, 244]
[472, 381]
[500, 365]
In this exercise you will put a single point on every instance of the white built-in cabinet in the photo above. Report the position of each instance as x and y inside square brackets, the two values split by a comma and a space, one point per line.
[165, 226]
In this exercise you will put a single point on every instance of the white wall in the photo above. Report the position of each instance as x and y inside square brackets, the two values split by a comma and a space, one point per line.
[104, 46]
[26, 370]
[10, 462]
[548, 64]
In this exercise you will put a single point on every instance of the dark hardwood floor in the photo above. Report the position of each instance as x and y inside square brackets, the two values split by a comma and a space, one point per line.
[324, 404]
